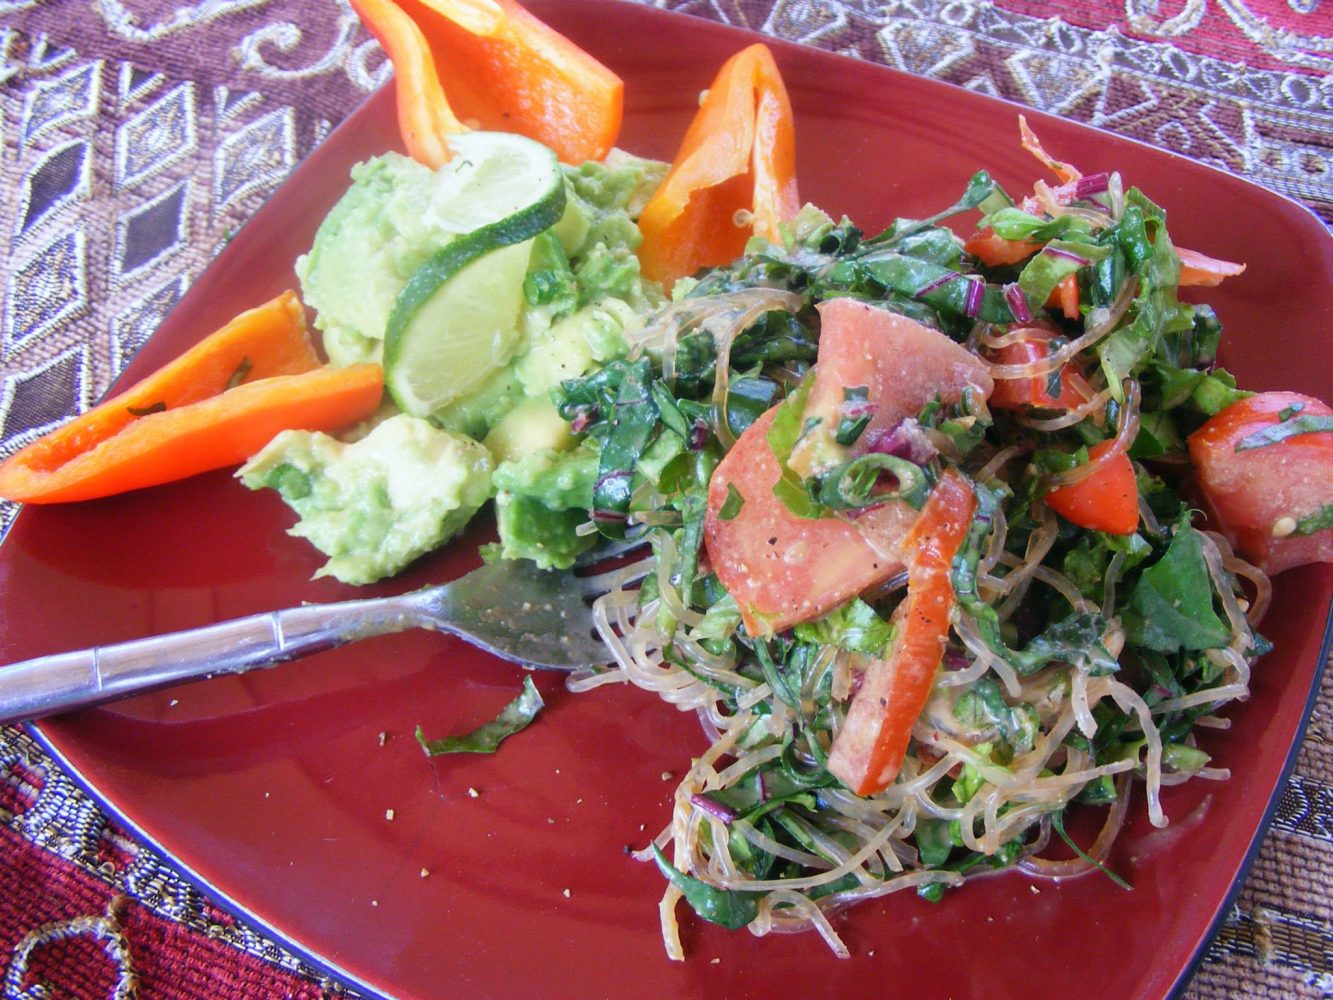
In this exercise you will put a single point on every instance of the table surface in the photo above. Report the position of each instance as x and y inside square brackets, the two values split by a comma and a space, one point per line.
[132, 140]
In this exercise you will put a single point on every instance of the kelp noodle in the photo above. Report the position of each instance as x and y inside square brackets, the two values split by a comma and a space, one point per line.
[1077, 661]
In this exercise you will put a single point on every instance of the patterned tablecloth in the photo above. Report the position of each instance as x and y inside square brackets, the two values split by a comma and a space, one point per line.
[135, 134]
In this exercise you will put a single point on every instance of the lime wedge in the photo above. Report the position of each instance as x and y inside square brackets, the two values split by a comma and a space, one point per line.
[456, 320]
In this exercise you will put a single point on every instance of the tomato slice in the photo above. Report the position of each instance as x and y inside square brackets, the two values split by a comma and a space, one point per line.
[783, 569]
[900, 364]
[1259, 495]
[869, 749]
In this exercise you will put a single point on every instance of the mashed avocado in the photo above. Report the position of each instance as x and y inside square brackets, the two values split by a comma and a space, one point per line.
[374, 505]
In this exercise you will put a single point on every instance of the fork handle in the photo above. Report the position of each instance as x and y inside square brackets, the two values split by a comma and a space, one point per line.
[47, 685]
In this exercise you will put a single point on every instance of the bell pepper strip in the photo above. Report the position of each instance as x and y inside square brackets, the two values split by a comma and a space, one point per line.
[1107, 500]
[1200, 270]
[490, 64]
[270, 339]
[735, 173]
[1017, 393]
[425, 117]
[869, 749]
[179, 442]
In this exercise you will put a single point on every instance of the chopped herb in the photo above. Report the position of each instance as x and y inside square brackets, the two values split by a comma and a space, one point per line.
[1290, 427]
[143, 411]
[731, 506]
[1058, 825]
[1289, 412]
[515, 716]
[856, 412]
[1320, 520]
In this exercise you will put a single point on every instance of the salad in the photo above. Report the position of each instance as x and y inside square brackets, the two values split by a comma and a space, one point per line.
[922, 509]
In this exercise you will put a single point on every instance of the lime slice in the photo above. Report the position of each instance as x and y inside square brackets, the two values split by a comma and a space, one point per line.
[456, 320]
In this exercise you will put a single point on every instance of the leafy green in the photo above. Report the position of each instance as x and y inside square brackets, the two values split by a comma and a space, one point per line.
[1058, 260]
[1015, 224]
[732, 505]
[633, 420]
[1156, 312]
[728, 908]
[854, 626]
[1075, 639]
[1171, 606]
[786, 430]
[983, 704]
[514, 717]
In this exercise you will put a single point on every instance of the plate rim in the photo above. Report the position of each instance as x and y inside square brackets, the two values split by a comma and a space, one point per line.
[307, 954]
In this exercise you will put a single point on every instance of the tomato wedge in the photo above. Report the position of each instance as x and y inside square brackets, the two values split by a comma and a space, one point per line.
[1268, 498]
[1107, 500]
[995, 251]
[869, 749]
[1016, 393]
[783, 569]
[899, 363]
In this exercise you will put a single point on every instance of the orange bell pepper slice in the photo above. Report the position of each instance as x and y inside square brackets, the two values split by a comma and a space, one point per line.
[737, 162]
[214, 406]
[868, 752]
[490, 64]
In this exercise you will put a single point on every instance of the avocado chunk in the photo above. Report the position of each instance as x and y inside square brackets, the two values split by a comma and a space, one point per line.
[540, 502]
[376, 504]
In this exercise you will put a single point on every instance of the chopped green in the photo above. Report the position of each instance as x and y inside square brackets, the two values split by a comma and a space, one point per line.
[1171, 607]
[513, 718]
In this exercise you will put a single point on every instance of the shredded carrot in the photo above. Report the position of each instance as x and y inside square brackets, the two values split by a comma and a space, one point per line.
[1065, 171]
[994, 251]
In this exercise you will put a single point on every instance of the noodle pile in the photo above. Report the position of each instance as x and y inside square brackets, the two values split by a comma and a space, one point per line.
[1049, 693]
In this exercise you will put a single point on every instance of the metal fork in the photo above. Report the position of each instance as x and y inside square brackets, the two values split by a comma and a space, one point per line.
[539, 618]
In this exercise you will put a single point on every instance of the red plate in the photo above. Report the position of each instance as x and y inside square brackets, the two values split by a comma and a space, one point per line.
[272, 789]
